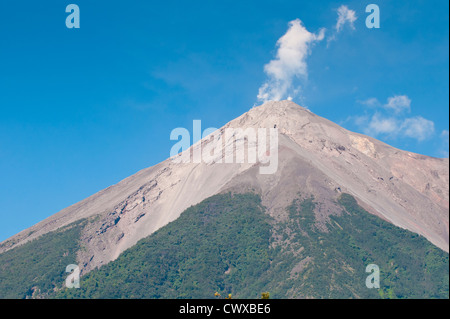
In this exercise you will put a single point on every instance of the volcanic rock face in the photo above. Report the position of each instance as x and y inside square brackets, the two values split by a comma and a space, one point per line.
[314, 155]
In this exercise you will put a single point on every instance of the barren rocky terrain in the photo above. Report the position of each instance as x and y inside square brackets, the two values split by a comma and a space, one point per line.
[315, 155]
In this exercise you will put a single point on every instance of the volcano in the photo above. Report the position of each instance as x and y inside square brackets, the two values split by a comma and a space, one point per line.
[316, 159]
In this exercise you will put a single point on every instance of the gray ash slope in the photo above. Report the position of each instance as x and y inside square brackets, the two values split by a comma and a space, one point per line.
[315, 155]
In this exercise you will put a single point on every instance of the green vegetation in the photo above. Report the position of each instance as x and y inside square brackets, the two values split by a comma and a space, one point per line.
[411, 267]
[38, 267]
[228, 246]
[265, 295]
[220, 245]
[332, 263]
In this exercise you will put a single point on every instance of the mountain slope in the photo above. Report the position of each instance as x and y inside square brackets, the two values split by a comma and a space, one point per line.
[38, 267]
[228, 244]
[405, 189]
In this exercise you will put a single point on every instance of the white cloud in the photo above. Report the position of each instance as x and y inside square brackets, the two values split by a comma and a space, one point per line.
[290, 62]
[417, 128]
[345, 16]
[359, 120]
[370, 102]
[389, 122]
[382, 125]
[398, 103]
[444, 136]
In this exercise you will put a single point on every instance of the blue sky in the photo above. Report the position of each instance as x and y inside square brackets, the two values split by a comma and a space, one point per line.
[81, 109]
